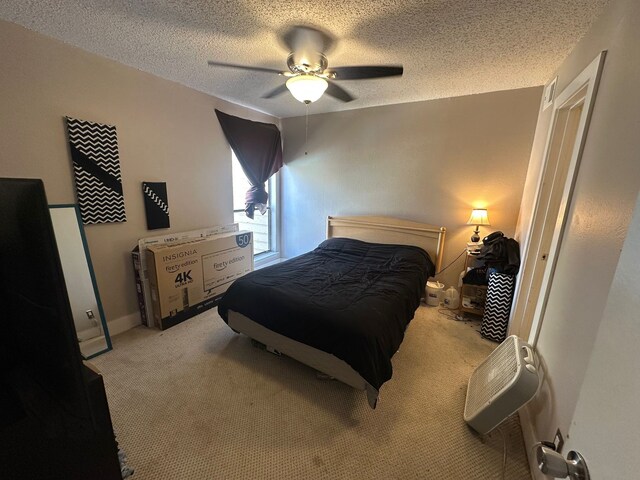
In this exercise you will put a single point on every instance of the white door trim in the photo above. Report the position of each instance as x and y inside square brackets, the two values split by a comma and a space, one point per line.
[589, 77]
[522, 297]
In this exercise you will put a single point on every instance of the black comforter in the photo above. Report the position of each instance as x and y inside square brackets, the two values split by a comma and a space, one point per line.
[348, 298]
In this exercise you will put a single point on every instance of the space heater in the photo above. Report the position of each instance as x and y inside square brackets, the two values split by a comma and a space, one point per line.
[503, 383]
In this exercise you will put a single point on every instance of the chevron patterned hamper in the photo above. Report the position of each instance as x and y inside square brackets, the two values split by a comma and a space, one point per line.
[498, 306]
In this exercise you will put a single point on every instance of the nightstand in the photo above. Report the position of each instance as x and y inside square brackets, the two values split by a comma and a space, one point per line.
[472, 297]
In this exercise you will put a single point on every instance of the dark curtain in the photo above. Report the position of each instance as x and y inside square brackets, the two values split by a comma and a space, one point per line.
[259, 150]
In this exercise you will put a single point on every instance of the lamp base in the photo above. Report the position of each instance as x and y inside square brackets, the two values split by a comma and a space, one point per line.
[475, 238]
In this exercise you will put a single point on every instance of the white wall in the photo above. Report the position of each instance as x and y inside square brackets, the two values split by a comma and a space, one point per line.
[166, 132]
[606, 425]
[599, 217]
[427, 161]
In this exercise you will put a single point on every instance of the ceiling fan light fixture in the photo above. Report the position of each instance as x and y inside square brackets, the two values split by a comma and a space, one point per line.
[307, 88]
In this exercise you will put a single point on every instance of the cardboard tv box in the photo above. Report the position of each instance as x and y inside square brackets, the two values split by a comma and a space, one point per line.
[191, 277]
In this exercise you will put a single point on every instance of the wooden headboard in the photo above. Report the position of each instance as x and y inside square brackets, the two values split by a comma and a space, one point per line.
[390, 230]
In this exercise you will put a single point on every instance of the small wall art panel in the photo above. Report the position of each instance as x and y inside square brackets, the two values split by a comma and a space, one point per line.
[156, 204]
[96, 165]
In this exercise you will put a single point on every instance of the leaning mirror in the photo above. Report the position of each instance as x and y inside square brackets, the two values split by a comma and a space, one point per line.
[91, 327]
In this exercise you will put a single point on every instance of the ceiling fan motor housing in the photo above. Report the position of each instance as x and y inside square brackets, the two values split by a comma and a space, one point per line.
[306, 62]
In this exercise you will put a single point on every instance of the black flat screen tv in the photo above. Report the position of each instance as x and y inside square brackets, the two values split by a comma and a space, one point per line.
[44, 400]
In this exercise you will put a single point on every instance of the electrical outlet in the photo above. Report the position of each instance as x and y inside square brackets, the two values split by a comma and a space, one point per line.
[558, 441]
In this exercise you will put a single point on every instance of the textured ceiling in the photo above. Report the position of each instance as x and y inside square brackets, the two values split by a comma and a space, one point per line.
[448, 47]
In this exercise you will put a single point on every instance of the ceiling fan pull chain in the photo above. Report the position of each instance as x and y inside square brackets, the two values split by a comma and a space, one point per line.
[306, 129]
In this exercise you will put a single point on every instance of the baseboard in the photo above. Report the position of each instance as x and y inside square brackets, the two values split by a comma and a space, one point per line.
[122, 324]
[530, 440]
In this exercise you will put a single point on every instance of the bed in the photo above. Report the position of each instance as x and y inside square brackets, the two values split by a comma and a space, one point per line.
[342, 308]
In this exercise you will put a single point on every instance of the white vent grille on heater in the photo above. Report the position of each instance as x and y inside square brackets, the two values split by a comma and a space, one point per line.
[503, 383]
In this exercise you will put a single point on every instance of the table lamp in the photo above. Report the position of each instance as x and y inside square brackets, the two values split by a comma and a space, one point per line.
[478, 217]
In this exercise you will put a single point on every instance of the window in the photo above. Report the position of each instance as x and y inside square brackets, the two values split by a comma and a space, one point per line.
[262, 226]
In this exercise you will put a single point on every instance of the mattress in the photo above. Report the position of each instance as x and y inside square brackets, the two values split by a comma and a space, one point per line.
[348, 298]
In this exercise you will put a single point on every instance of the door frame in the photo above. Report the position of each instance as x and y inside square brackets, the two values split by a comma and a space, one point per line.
[589, 78]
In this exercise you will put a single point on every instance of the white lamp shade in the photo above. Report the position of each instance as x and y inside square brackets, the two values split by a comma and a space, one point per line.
[478, 217]
[307, 88]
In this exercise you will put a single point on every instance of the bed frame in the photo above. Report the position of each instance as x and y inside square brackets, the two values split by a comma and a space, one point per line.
[369, 229]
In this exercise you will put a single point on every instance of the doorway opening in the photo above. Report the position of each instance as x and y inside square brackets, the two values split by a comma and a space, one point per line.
[567, 135]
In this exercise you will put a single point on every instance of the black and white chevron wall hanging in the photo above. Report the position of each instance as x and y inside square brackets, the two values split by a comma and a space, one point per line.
[156, 204]
[96, 165]
[495, 320]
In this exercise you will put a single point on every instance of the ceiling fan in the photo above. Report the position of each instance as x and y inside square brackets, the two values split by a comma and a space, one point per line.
[309, 75]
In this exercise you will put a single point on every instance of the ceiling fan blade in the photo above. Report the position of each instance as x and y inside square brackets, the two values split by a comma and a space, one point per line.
[338, 92]
[279, 90]
[243, 67]
[368, 71]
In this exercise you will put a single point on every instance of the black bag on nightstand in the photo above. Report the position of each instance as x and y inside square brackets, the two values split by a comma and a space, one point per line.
[500, 253]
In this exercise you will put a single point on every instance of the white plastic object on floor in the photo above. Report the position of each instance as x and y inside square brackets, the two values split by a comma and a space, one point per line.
[451, 298]
[502, 384]
[434, 293]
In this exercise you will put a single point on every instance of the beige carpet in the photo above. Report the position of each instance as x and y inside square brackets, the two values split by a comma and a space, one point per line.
[199, 402]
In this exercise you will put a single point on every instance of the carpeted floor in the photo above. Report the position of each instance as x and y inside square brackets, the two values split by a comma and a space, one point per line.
[199, 402]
